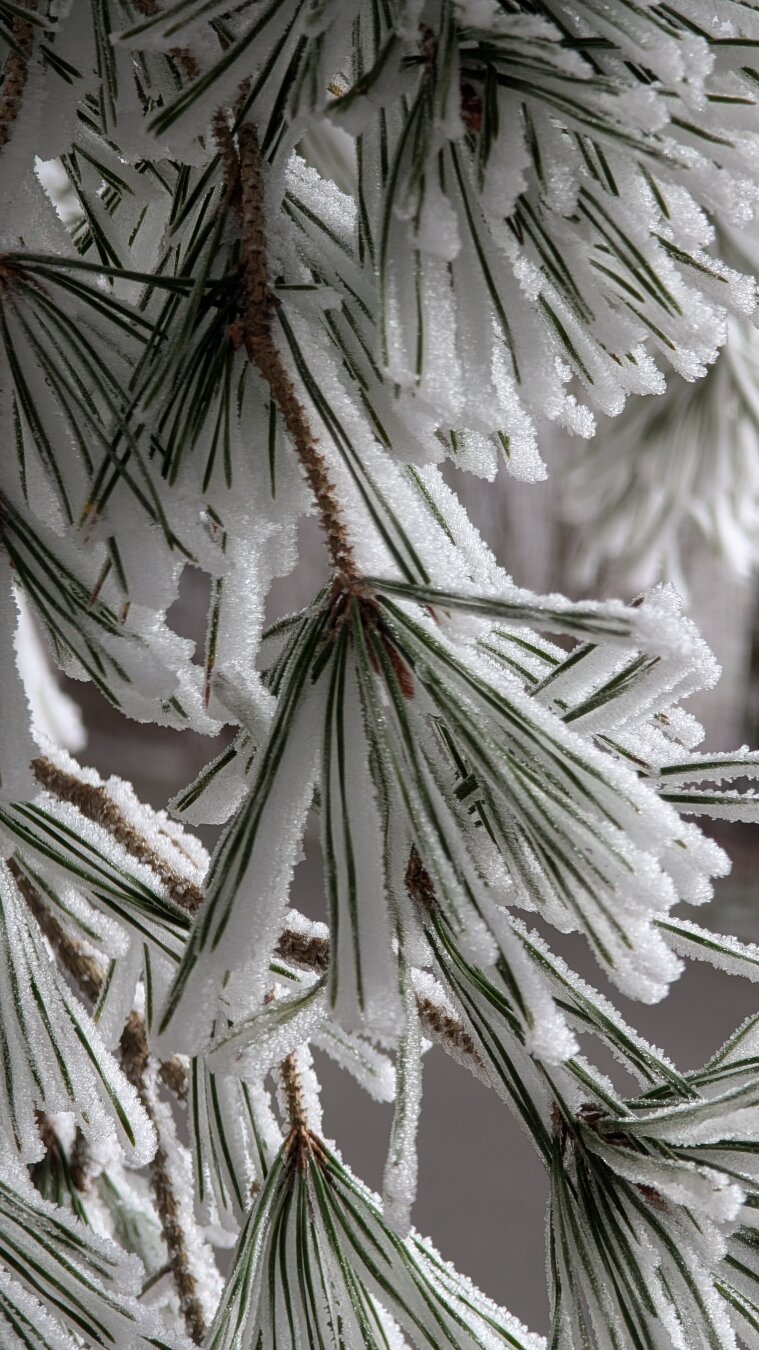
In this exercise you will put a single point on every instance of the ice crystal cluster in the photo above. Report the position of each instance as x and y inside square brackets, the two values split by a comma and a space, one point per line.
[283, 257]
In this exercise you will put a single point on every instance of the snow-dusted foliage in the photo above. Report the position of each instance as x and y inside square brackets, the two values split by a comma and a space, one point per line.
[687, 465]
[676, 468]
[264, 260]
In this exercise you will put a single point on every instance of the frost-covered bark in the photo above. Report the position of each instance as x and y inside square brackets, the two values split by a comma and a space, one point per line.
[268, 260]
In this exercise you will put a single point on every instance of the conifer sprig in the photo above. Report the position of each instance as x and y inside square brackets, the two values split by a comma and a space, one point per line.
[208, 339]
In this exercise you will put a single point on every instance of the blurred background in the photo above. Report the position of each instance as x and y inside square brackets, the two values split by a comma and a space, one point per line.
[482, 1190]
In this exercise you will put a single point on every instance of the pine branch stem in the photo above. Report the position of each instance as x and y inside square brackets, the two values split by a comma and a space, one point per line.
[302, 1146]
[245, 185]
[97, 805]
[16, 74]
[291, 1087]
[135, 1059]
[86, 971]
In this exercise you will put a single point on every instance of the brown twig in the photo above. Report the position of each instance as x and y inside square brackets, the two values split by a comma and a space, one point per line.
[245, 191]
[312, 952]
[135, 1059]
[96, 804]
[438, 1023]
[419, 884]
[447, 1031]
[301, 1146]
[174, 1074]
[16, 74]
[293, 1093]
[85, 970]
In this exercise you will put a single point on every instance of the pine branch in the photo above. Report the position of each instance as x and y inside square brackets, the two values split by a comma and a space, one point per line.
[89, 976]
[530, 203]
[311, 952]
[302, 949]
[438, 1023]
